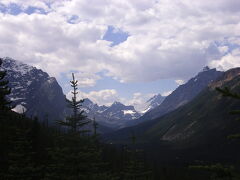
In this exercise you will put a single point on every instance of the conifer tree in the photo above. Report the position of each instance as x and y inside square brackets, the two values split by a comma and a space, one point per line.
[95, 126]
[21, 164]
[226, 92]
[4, 90]
[77, 120]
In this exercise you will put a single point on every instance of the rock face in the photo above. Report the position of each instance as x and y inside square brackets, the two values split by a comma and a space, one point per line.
[183, 94]
[33, 91]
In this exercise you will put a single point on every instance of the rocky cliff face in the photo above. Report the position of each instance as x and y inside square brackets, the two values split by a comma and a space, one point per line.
[33, 91]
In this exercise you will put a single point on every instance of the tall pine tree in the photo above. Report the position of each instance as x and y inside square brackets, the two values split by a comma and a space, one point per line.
[77, 120]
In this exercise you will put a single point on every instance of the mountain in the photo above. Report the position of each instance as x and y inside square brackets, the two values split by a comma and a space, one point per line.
[183, 94]
[116, 116]
[153, 102]
[203, 121]
[33, 91]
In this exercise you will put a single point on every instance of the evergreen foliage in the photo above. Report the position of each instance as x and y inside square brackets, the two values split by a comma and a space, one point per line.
[95, 126]
[135, 166]
[21, 164]
[78, 119]
[4, 90]
[218, 171]
[226, 92]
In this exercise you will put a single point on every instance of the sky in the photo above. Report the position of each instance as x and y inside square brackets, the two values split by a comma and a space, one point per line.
[122, 50]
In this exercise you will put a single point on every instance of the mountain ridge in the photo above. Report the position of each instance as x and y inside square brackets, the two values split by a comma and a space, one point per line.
[204, 120]
[183, 94]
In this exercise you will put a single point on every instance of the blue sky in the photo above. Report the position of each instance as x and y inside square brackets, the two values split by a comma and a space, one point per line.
[121, 50]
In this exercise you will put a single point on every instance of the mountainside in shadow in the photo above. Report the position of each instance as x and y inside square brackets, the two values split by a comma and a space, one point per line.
[203, 121]
[183, 94]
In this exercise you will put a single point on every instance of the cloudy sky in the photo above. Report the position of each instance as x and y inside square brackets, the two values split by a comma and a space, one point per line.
[124, 50]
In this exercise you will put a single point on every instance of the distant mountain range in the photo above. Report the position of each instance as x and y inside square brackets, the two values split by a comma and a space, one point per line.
[205, 120]
[36, 94]
[116, 116]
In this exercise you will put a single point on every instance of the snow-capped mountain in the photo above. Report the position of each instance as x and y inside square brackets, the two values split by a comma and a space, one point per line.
[117, 115]
[153, 102]
[33, 91]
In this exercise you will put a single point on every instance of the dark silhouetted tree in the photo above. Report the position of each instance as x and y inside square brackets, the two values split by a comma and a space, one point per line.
[135, 166]
[4, 90]
[226, 92]
[77, 120]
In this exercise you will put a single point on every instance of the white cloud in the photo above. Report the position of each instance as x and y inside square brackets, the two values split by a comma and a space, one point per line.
[228, 61]
[168, 39]
[179, 81]
[50, 43]
[139, 100]
[166, 93]
[102, 97]
[85, 79]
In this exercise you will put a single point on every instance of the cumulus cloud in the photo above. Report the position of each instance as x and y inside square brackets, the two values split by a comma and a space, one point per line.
[85, 79]
[139, 100]
[166, 93]
[228, 61]
[168, 39]
[102, 97]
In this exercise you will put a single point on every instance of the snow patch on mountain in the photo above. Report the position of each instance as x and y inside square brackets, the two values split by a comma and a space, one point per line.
[128, 112]
[19, 109]
[153, 102]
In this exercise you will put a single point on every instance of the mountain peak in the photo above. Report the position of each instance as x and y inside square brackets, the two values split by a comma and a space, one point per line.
[116, 103]
[206, 68]
[153, 102]
[155, 97]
